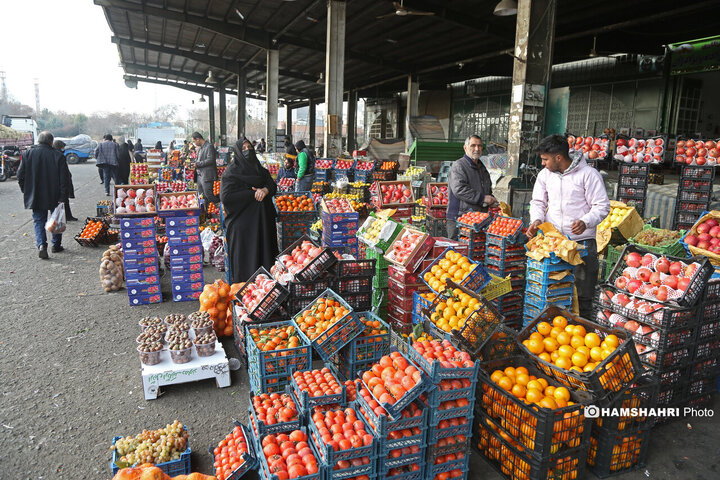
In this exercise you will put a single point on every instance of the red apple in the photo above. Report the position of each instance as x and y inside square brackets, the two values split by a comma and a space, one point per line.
[704, 244]
[703, 228]
[691, 240]
[704, 237]
[711, 222]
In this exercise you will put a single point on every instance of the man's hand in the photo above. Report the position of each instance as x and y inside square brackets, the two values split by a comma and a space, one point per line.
[578, 227]
[260, 193]
[533, 228]
[490, 200]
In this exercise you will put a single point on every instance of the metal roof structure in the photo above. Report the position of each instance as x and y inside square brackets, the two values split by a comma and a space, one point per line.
[177, 42]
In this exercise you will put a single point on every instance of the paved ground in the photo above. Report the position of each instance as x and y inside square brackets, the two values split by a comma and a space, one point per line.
[69, 372]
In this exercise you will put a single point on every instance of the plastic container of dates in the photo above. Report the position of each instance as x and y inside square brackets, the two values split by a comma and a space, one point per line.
[150, 353]
[174, 335]
[201, 323]
[146, 322]
[174, 318]
[181, 355]
[205, 345]
[149, 336]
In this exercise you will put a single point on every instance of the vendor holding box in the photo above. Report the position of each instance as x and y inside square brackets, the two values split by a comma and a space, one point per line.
[571, 195]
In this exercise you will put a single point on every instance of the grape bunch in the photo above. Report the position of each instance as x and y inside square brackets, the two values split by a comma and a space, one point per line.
[656, 237]
[153, 446]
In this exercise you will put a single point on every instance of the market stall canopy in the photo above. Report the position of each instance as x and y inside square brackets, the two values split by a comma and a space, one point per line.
[177, 42]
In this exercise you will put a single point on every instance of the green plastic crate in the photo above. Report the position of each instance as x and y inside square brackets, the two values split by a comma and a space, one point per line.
[674, 249]
[611, 258]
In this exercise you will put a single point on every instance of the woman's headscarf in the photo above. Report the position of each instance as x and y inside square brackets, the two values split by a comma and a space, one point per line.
[245, 166]
[158, 145]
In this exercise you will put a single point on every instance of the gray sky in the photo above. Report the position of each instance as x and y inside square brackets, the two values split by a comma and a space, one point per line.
[79, 72]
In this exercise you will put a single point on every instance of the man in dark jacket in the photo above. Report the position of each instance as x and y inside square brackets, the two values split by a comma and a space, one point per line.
[289, 147]
[470, 185]
[59, 145]
[106, 156]
[42, 178]
[206, 168]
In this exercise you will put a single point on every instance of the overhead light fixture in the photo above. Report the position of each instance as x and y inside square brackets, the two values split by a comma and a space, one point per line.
[129, 83]
[210, 79]
[593, 51]
[202, 99]
[200, 45]
[460, 65]
[391, 40]
[321, 79]
[506, 8]
[242, 17]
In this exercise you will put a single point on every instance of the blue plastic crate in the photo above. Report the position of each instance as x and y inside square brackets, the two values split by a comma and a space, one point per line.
[498, 262]
[138, 243]
[551, 290]
[277, 362]
[437, 415]
[420, 303]
[382, 425]
[135, 262]
[186, 277]
[410, 475]
[306, 401]
[435, 395]
[546, 267]
[321, 174]
[338, 334]
[475, 281]
[266, 383]
[436, 373]
[172, 468]
[329, 457]
[385, 463]
[189, 240]
[541, 303]
[186, 268]
[264, 469]
[395, 410]
[186, 260]
[371, 347]
[249, 459]
[505, 270]
[345, 369]
[182, 231]
[462, 464]
[434, 433]
[144, 299]
[543, 278]
[141, 271]
[187, 286]
[347, 241]
[260, 429]
[436, 333]
[186, 296]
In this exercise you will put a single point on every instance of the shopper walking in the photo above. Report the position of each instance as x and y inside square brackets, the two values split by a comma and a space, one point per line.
[59, 145]
[205, 167]
[106, 155]
[42, 178]
[246, 192]
[469, 185]
[305, 167]
[124, 160]
[139, 152]
[571, 195]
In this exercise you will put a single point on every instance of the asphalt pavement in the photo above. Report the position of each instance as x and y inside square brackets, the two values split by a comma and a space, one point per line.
[70, 374]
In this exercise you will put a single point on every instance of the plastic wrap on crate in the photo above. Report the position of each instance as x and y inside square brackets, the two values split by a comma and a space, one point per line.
[609, 378]
[171, 468]
[276, 362]
[614, 453]
[248, 459]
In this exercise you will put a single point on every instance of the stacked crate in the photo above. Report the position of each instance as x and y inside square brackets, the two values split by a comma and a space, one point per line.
[142, 275]
[339, 229]
[303, 293]
[364, 170]
[402, 286]
[695, 191]
[186, 257]
[504, 258]
[364, 350]
[291, 225]
[353, 280]
[632, 185]
[705, 366]
[549, 281]
[475, 239]
[450, 402]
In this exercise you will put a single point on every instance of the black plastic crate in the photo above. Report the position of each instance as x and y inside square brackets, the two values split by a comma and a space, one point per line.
[641, 394]
[660, 338]
[694, 292]
[664, 317]
[688, 185]
[705, 368]
[697, 172]
[346, 285]
[638, 181]
[609, 379]
[360, 302]
[660, 360]
[707, 348]
[613, 453]
[636, 192]
[354, 268]
[699, 197]
[479, 325]
[632, 169]
[712, 290]
[262, 312]
[310, 290]
[317, 266]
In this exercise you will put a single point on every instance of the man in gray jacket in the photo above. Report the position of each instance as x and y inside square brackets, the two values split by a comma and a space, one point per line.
[470, 185]
[106, 158]
[206, 168]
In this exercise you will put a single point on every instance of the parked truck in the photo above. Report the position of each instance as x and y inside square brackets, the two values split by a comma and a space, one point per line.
[19, 130]
[79, 148]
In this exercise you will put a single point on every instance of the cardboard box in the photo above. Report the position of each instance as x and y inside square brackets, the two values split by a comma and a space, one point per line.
[418, 253]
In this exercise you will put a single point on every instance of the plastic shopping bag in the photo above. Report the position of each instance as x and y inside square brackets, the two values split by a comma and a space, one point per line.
[56, 222]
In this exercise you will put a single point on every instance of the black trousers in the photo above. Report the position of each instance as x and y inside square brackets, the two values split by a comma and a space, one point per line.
[586, 276]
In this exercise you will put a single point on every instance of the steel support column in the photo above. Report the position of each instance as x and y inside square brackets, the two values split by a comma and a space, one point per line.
[223, 116]
[271, 94]
[334, 73]
[288, 120]
[411, 110]
[352, 121]
[211, 115]
[311, 124]
[241, 101]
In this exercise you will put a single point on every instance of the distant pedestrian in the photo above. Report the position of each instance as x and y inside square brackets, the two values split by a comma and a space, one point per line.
[205, 167]
[59, 145]
[289, 147]
[305, 168]
[106, 155]
[42, 178]
[139, 152]
[261, 147]
[124, 160]
[138, 145]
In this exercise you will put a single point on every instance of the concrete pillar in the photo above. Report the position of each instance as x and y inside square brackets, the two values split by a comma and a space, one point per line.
[411, 110]
[288, 120]
[271, 96]
[223, 116]
[311, 121]
[383, 123]
[241, 101]
[334, 73]
[352, 121]
[211, 115]
[534, 36]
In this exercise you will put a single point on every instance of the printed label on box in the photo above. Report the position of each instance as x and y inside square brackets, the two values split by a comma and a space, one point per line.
[178, 221]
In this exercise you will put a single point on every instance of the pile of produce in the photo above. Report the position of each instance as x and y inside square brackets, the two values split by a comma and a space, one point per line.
[229, 452]
[323, 163]
[364, 165]
[286, 182]
[705, 236]
[282, 462]
[180, 201]
[505, 226]
[216, 301]
[276, 338]
[405, 245]
[339, 205]
[396, 193]
[294, 203]
[640, 150]
[391, 378]
[111, 269]
[654, 278]
[615, 218]
[471, 218]
[152, 446]
[317, 383]
[134, 200]
[657, 237]
[342, 164]
[451, 313]
[452, 265]
[300, 257]
[697, 152]
[592, 148]
[320, 315]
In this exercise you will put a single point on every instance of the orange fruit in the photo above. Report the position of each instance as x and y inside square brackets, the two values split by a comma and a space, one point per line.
[577, 341]
[562, 393]
[563, 338]
[497, 375]
[535, 346]
[549, 390]
[579, 359]
[510, 372]
[579, 330]
[519, 390]
[555, 332]
[564, 363]
[505, 383]
[565, 351]
[612, 341]
[521, 378]
[596, 354]
[548, 402]
[536, 336]
[550, 344]
[560, 321]
[544, 328]
[592, 340]
[521, 370]
[534, 385]
[533, 395]
[583, 349]
[545, 356]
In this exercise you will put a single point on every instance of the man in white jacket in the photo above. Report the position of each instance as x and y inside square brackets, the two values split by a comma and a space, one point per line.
[571, 195]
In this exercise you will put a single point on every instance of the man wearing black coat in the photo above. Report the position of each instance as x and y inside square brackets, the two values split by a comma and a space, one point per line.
[42, 178]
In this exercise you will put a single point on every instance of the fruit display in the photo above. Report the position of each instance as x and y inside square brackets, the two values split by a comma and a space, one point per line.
[212, 210]
[641, 332]
[705, 235]
[697, 152]
[396, 193]
[533, 390]
[364, 165]
[316, 227]
[112, 274]
[655, 277]
[372, 327]
[348, 196]
[323, 163]
[288, 455]
[320, 315]
[92, 229]
[405, 246]
[294, 203]
[452, 265]
[616, 216]
[300, 257]
[174, 186]
[342, 164]
[149, 350]
[175, 318]
[391, 378]
[139, 174]
[134, 200]
[354, 435]
[350, 390]
[152, 446]
[640, 150]
[338, 205]
[373, 227]
[177, 336]
[215, 299]
[274, 408]
[147, 322]
[272, 167]
[317, 383]
[438, 194]
[658, 237]
[276, 338]
[257, 290]
[569, 346]
[180, 201]
[443, 352]
[473, 218]
[592, 148]
[625, 454]
[205, 344]
[505, 226]
[150, 335]
[286, 182]
[229, 453]
[388, 166]
[414, 171]
[545, 244]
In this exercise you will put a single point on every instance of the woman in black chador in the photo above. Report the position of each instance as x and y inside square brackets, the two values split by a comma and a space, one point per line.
[246, 193]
